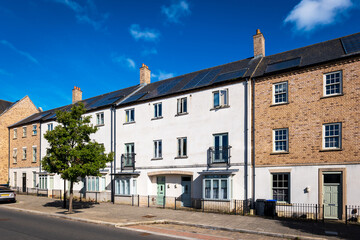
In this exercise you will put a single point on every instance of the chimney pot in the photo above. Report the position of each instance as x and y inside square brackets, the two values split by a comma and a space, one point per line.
[145, 75]
[259, 44]
[76, 94]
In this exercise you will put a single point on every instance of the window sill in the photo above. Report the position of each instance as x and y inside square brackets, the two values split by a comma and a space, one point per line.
[99, 125]
[23, 136]
[157, 118]
[181, 114]
[24, 159]
[279, 153]
[14, 162]
[155, 159]
[219, 107]
[217, 200]
[279, 104]
[33, 134]
[181, 157]
[33, 162]
[126, 123]
[14, 138]
[330, 150]
[330, 96]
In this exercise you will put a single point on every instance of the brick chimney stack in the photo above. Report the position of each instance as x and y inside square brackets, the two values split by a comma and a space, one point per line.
[145, 75]
[76, 94]
[259, 44]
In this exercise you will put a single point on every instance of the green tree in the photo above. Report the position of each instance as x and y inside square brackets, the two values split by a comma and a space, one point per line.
[72, 153]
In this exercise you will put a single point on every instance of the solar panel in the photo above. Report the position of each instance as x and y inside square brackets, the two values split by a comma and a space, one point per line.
[230, 75]
[195, 80]
[283, 65]
[41, 116]
[134, 97]
[167, 86]
[208, 78]
[351, 44]
[106, 99]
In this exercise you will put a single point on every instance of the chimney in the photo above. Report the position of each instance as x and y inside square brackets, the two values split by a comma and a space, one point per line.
[76, 94]
[259, 44]
[144, 75]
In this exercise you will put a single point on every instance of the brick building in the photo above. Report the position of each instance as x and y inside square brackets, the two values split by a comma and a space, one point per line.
[11, 113]
[306, 125]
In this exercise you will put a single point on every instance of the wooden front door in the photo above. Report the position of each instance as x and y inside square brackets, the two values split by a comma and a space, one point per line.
[332, 195]
[160, 190]
[186, 191]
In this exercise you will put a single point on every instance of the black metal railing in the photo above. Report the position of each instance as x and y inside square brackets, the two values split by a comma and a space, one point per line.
[298, 210]
[128, 161]
[219, 156]
[352, 214]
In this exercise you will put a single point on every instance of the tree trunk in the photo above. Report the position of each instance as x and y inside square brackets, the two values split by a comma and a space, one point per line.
[71, 197]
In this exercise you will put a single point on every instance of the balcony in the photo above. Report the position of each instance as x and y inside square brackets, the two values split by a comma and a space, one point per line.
[128, 161]
[219, 156]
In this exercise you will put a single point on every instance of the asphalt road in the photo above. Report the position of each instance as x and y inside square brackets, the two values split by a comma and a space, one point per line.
[19, 225]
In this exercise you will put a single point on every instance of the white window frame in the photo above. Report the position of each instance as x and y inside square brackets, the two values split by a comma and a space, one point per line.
[95, 184]
[24, 153]
[43, 182]
[128, 118]
[15, 133]
[288, 188]
[34, 156]
[181, 150]
[219, 179]
[50, 127]
[15, 152]
[34, 179]
[24, 131]
[286, 92]
[338, 136]
[223, 98]
[100, 119]
[157, 148]
[157, 110]
[125, 186]
[325, 85]
[286, 140]
[182, 106]
[34, 129]
[15, 179]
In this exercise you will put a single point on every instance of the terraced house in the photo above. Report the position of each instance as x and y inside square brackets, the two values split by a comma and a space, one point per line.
[11, 112]
[283, 127]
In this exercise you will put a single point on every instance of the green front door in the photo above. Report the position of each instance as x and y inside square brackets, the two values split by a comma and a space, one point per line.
[332, 195]
[160, 190]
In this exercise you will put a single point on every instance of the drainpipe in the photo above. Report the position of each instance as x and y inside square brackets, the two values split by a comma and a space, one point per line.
[9, 159]
[253, 139]
[246, 139]
[114, 144]
[111, 146]
[40, 146]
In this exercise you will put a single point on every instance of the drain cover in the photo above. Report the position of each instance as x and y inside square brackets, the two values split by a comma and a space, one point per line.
[149, 216]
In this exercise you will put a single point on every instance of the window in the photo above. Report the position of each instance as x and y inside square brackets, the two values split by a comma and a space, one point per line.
[280, 93]
[130, 115]
[15, 132]
[34, 154]
[182, 147]
[42, 181]
[281, 140]
[95, 184]
[100, 119]
[157, 110]
[50, 127]
[125, 186]
[220, 98]
[332, 136]
[333, 83]
[24, 153]
[182, 105]
[34, 130]
[15, 155]
[15, 179]
[280, 186]
[216, 187]
[34, 179]
[157, 149]
[129, 156]
[24, 131]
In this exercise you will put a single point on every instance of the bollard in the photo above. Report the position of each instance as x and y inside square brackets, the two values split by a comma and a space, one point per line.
[235, 207]
[138, 200]
[148, 201]
[132, 200]
[346, 217]
[164, 202]
[175, 203]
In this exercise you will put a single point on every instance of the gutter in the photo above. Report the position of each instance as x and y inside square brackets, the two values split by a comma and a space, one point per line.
[111, 149]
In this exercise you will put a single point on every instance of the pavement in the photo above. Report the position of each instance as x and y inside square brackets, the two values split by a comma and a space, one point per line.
[133, 217]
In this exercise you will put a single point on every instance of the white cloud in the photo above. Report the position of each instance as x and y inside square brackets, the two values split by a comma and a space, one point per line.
[25, 54]
[86, 13]
[162, 75]
[151, 51]
[309, 14]
[145, 34]
[124, 61]
[176, 10]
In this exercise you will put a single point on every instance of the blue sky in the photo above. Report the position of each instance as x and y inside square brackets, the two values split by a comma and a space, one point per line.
[49, 46]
